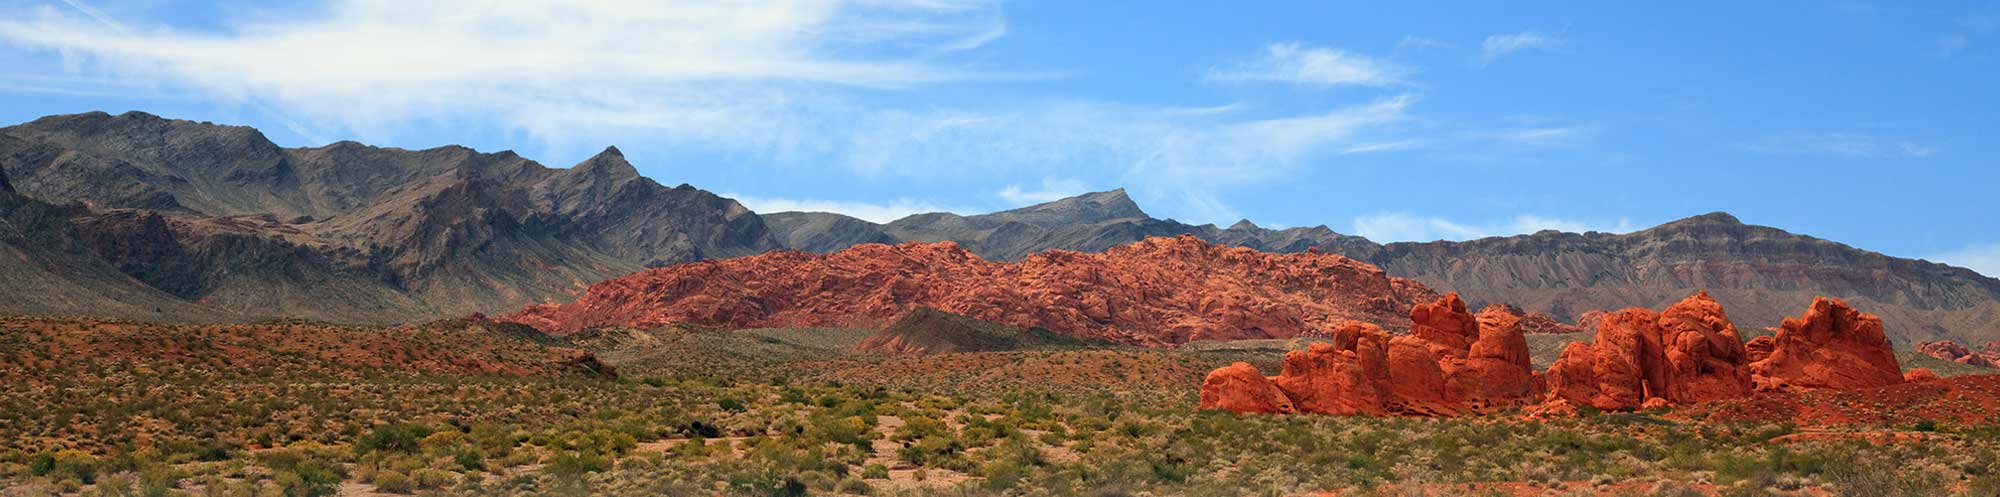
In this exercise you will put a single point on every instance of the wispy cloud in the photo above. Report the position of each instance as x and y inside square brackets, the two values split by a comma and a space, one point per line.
[728, 71]
[1498, 46]
[1052, 189]
[1318, 66]
[868, 211]
[1420, 43]
[1843, 145]
[1403, 227]
[1984, 259]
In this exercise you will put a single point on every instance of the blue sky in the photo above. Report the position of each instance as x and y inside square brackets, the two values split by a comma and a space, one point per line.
[1867, 123]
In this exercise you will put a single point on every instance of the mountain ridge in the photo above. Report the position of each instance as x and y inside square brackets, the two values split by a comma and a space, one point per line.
[219, 217]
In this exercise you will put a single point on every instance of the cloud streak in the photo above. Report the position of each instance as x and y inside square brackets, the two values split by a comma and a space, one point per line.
[1299, 64]
[1843, 146]
[1497, 46]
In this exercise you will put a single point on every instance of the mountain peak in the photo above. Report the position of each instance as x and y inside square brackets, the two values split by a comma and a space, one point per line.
[1712, 219]
[1243, 224]
[1717, 217]
[611, 162]
[1088, 208]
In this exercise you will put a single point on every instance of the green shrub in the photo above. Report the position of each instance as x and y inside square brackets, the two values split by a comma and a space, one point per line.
[41, 464]
[571, 464]
[74, 464]
[875, 471]
[427, 478]
[395, 483]
[311, 478]
[470, 460]
[854, 486]
[405, 438]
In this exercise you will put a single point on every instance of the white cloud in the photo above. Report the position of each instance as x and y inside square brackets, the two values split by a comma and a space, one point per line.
[1537, 137]
[1052, 189]
[731, 73]
[1497, 46]
[1843, 145]
[1402, 227]
[1420, 43]
[871, 212]
[1982, 259]
[1298, 64]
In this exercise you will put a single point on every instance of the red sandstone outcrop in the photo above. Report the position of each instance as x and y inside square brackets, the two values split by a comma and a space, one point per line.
[1241, 388]
[1687, 354]
[1159, 291]
[1831, 346]
[1706, 356]
[1948, 350]
[1452, 362]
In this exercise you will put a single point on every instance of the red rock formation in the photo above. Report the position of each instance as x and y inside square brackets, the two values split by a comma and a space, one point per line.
[1532, 322]
[1452, 362]
[1831, 346]
[1690, 353]
[1706, 357]
[1919, 375]
[1241, 388]
[1948, 350]
[1159, 291]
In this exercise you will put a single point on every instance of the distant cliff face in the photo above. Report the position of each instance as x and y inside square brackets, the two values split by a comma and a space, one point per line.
[220, 219]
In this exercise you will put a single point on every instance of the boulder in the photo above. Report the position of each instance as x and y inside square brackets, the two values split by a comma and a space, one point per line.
[1241, 388]
[1920, 375]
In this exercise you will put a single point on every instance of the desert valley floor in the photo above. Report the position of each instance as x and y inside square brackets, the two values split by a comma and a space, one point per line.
[477, 407]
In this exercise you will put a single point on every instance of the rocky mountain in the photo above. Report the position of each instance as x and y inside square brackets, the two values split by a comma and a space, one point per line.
[1759, 272]
[1091, 222]
[139, 216]
[1157, 291]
